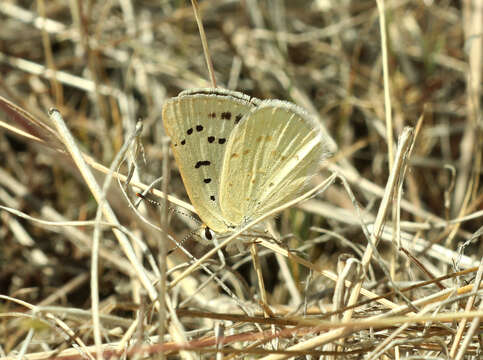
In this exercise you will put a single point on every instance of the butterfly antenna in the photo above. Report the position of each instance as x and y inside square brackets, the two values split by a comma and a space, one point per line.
[172, 210]
[143, 196]
[189, 216]
[191, 234]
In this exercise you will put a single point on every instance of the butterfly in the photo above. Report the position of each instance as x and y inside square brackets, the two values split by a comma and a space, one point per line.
[240, 157]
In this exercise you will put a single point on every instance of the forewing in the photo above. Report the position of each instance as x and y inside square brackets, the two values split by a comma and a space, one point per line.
[269, 158]
[199, 123]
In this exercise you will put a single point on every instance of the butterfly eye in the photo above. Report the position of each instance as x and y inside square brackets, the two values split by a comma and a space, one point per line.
[208, 233]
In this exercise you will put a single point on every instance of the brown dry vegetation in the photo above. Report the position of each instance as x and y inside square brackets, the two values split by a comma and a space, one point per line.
[412, 294]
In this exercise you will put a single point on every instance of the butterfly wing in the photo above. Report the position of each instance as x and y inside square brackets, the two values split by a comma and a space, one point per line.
[269, 158]
[199, 123]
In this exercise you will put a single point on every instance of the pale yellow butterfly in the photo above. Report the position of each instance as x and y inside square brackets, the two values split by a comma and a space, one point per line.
[240, 157]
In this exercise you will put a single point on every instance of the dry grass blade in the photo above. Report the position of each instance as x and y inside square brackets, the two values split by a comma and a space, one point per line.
[34, 128]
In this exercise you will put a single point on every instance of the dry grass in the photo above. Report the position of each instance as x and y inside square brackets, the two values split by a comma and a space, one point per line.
[385, 263]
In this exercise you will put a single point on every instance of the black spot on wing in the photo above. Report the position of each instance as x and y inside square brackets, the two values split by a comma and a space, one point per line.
[202, 163]
[226, 115]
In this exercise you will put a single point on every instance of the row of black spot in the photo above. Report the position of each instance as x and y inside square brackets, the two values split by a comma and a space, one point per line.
[190, 131]
[201, 163]
[226, 115]
[199, 128]
[211, 139]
